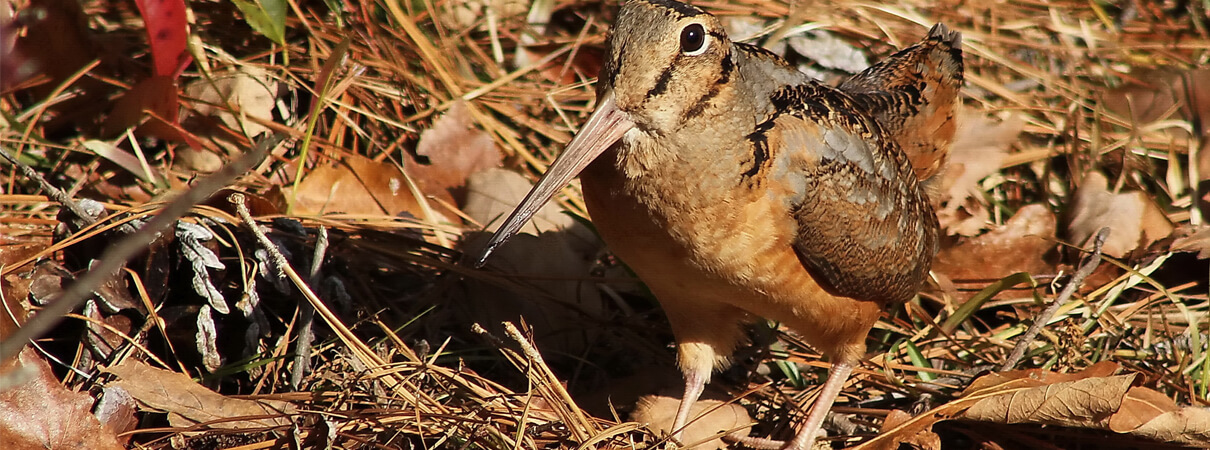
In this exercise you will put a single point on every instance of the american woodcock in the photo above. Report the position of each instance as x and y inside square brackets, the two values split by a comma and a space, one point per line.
[736, 186]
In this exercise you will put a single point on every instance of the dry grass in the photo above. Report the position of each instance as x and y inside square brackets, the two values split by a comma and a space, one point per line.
[396, 363]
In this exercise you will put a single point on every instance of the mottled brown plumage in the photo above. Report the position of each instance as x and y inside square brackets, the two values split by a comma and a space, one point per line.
[735, 186]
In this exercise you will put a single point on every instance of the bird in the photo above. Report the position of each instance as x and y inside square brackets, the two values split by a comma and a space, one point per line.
[737, 187]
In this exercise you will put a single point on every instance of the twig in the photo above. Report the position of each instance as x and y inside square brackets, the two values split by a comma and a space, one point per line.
[57, 194]
[116, 256]
[306, 322]
[306, 335]
[1084, 271]
[577, 423]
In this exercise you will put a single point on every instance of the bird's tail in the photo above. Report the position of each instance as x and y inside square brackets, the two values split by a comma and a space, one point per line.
[913, 94]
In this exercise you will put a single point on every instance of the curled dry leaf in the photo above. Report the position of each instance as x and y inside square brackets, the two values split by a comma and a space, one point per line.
[1132, 217]
[703, 432]
[116, 409]
[979, 147]
[38, 412]
[923, 439]
[1094, 398]
[188, 403]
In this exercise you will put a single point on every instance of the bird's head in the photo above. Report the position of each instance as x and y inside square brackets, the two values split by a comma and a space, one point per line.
[667, 63]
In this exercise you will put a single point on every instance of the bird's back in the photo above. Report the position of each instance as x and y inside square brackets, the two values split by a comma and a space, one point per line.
[913, 94]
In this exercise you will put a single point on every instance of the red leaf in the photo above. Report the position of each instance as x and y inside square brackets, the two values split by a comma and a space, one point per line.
[168, 31]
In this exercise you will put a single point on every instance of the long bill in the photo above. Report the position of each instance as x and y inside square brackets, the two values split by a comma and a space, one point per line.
[606, 125]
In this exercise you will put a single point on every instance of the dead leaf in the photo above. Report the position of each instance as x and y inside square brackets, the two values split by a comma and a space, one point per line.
[37, 412]
[103, 330]
[157, 95]
[1192, 239]
[116, 409]
[249, 91]
[1039, 377]
[1141, 405]
[704, 432]
[1094, 398]
[492, 194]
[355, 185]
[1083, 403]
[1188, 425]
[1153, 94]
[924, 439]
[1132, 217]
[1020, 245]
[979, 147]
[455, 149]
[188, 403]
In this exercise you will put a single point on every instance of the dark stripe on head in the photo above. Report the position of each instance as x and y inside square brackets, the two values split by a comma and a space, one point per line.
[681, 9]
[610, 71]
[661, 83]
[699, 106]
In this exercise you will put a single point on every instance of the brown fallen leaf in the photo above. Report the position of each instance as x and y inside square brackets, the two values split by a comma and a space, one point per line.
[980, 145]
[1153, 94]
[250, 91]
[156, 95]
[455, 149]
[1141, 405]
[1095, 398]
[1020, 245]
[116, 409]
[1192, 239]
[355, 185]
[1083, 403]
[1132, 217]
[188, 403]
[37, 412]
[924, 439]
[492, 194]
[704, 432]
[1039, 377]
[1188, 425]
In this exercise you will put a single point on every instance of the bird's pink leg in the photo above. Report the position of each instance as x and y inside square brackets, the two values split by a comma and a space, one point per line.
[827, 395]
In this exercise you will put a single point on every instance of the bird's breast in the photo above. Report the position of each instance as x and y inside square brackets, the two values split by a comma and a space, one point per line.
[708, 236]
[689, 204]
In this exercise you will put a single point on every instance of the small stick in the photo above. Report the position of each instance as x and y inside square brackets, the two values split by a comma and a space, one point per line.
[117, 255]
[1084, 271]
[306, 330]
[57, 194]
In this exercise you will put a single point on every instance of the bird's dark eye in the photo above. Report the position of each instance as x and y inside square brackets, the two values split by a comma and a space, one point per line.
[693, 40]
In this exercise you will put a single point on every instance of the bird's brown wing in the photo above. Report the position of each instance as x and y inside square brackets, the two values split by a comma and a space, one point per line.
[913, 94]
[865, 226]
